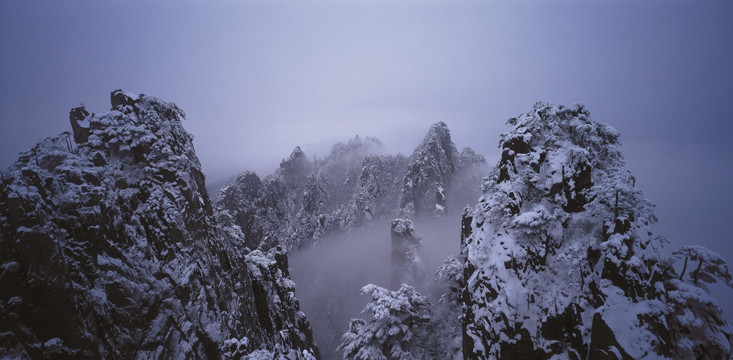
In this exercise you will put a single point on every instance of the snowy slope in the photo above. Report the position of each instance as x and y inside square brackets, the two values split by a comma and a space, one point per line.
[110, 248]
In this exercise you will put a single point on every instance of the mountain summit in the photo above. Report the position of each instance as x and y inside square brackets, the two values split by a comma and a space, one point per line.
[110, 248]
[561, 261]
[433, 168]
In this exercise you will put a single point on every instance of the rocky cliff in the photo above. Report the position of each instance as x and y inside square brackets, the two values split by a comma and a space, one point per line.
[110, 248]
[560, 259]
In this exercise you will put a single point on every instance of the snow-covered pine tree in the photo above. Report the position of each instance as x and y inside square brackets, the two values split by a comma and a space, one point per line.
[694, 317]
[409, 322]
[445, 327]
[397, 329]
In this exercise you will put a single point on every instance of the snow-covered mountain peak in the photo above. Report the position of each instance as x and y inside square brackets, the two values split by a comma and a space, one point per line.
[560, 256]
[436, 141]
[570, 128]
[432, 170]
[109, 248]
[438, 132]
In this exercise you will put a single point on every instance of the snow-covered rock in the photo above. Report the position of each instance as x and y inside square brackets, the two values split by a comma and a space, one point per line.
[407, 267]
[429, 172]
[560, 260]
[110, 248]
[355, 184]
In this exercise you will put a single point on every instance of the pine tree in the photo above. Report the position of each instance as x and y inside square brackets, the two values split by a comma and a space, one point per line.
[397, 329]
[694, 317]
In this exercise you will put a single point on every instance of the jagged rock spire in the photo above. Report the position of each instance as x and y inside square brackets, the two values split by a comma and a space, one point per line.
[559, 256]
[111, 249]
[429, 173]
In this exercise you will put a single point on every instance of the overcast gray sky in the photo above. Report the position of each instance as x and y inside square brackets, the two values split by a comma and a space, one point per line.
[258, 78]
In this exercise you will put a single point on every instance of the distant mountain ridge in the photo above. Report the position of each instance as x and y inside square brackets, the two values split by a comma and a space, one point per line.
[304, 200]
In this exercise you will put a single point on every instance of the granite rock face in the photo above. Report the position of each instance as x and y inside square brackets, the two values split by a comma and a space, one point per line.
[110, 248]
[560, 260]
[430, 170]
[436, 173]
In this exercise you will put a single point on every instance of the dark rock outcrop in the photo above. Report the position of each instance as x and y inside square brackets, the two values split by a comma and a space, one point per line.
[429, 173]
[407, 266]
[79, 124]
[123, 101]
[436, 173]
[111, 249]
